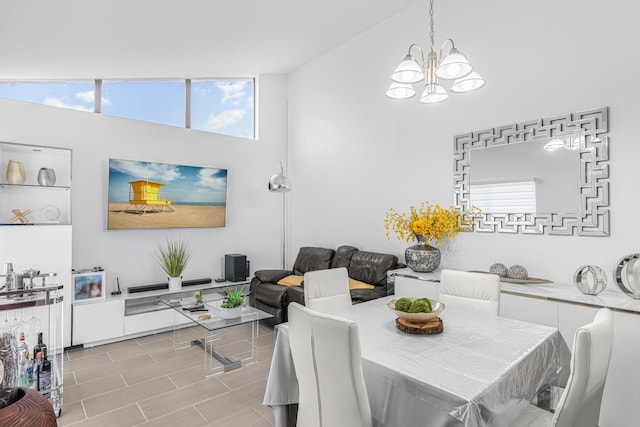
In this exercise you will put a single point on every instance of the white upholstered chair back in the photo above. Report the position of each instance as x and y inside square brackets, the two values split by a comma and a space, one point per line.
[581, 400]
[327, 290]
[473, 291]
[326, 356]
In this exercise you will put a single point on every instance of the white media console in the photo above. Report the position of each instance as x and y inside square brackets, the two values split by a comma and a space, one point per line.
[131, 315]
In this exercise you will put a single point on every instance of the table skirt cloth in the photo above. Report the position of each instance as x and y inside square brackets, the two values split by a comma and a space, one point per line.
[481, 371]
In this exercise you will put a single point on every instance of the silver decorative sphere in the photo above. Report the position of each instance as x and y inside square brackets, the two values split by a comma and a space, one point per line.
[499, 269]
[517, 272]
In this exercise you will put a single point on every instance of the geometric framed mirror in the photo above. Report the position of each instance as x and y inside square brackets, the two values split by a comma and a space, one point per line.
[544, 176]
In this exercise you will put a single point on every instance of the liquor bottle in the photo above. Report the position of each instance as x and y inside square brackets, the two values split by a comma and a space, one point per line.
[30, 377]
[38, 348]
[44, 372]
[23, 360]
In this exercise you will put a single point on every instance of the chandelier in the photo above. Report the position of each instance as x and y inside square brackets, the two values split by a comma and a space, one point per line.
[454, 67]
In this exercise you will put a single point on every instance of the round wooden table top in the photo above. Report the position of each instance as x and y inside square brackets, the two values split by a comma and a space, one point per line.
[430, 327]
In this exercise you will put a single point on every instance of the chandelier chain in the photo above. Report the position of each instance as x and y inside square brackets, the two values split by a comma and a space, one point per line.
[431, 34]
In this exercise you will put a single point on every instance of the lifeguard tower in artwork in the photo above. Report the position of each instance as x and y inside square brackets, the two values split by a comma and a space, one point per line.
[145, 197]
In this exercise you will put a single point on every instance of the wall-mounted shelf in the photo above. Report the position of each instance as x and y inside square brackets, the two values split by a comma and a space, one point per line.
[48, 204]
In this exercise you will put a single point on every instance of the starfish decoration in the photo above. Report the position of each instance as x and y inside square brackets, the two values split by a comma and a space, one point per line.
[20, 216]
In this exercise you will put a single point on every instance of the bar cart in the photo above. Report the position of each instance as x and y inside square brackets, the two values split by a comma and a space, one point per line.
[34, 310]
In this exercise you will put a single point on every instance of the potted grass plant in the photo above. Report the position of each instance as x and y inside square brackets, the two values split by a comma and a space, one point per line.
[173, 257]
[232, 304]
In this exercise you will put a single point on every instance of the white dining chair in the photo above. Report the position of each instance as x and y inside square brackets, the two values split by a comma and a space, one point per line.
[326, 357]
[478, 292]
[580, 402]
[327, 290]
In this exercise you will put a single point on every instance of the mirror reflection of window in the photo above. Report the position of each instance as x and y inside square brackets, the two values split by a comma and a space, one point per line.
[501, 197]
[556, 174]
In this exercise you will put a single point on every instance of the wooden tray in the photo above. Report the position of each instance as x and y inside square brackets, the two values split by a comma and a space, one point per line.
[519, 281]
[430, 327]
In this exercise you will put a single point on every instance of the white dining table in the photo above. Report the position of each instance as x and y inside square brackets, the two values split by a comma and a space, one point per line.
[482, 370]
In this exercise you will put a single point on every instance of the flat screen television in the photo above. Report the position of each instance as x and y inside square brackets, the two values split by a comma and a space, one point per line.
[162, 195]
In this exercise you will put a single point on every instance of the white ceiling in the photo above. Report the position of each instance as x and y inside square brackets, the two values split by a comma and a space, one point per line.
[44, 39]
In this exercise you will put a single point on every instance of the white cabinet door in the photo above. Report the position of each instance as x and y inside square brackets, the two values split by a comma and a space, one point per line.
[571, 317]
[542, 312]
[621, 392]
[415, 288]
[97, 321]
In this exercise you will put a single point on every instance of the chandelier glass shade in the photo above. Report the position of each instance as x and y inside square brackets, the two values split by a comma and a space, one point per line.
[400, 91]
[408, 72]
[453, 66]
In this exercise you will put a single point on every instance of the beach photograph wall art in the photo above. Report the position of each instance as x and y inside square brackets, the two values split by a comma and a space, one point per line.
[162, 195]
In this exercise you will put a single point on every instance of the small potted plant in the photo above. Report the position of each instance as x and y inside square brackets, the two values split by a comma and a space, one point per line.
[198, 297]
[174, 257]
[232, 304]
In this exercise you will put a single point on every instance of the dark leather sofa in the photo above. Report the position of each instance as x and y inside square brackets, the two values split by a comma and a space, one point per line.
[368, 267]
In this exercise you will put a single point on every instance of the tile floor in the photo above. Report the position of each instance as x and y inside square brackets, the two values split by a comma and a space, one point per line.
[147, 382]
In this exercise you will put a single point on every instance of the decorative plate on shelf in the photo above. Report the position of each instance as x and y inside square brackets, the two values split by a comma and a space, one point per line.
[50, 213]
[526, 281]
[437, 308]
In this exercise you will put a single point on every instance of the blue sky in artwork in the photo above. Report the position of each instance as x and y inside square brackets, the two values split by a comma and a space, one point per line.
[219, 106]
[184, 184]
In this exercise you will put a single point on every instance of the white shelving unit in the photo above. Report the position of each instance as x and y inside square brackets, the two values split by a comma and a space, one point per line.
[44, 243]
[49, 205]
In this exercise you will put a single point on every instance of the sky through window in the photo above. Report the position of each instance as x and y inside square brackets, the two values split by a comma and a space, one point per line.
[219, 106]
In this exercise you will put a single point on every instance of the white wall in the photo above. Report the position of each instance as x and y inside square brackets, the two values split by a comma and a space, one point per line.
[251, 210]
[355, 153]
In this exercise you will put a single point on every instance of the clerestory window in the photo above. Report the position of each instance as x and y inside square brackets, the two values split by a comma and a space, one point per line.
[224, 106]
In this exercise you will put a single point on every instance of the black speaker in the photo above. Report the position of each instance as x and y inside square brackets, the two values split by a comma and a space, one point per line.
[235, 267]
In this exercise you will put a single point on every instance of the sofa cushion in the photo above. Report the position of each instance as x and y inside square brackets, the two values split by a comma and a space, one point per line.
[272, 276]
[356, 284]
[361, 295]
[343, 255]
[271, 294]
[292, 280]
[312, 259]
[296, 294]
[371, 267]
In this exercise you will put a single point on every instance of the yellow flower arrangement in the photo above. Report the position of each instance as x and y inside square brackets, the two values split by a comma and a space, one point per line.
[431, 221]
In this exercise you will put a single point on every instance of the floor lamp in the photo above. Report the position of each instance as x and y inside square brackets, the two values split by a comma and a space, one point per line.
[280, 183]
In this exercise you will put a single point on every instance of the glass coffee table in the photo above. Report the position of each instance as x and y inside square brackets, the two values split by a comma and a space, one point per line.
[210, 326]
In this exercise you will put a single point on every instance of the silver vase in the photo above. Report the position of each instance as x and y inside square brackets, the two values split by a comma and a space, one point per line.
[46, 177]
[422, 257]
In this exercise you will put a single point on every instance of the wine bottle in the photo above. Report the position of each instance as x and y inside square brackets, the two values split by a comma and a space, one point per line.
[38, 348]
[44, 372]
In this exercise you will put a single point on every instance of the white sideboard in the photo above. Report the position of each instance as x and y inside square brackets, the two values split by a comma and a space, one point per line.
[563, 306]
[137, 314]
